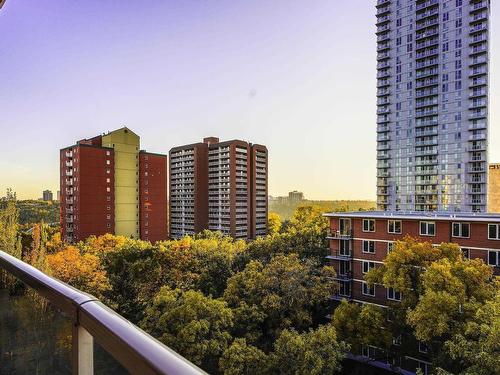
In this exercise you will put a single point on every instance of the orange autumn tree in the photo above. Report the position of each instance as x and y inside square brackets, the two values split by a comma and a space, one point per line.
[82, 271]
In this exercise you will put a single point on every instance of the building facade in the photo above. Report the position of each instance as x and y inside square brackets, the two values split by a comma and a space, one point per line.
[153, 217]
[220, 186]
[188, 189]
[360, 241]
[47, 196]
[432, 105]
[494, 188]
[104, 189]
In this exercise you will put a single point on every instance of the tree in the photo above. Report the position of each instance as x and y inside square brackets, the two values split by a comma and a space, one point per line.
[9, 217]
[203, 262]
[404, 266]
[362, 325]
[441, 293]
[136, 271]
[194, 325]
[286, 293]
[274, 223]
[82, 271]
[242, 358]
[37, 254]
[305, 234]
[477, 348]
[311, 353]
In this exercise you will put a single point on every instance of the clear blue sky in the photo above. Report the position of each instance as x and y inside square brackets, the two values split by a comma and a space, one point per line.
[298, 76]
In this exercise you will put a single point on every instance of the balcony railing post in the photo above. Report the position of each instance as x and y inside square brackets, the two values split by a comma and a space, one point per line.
[83, 351]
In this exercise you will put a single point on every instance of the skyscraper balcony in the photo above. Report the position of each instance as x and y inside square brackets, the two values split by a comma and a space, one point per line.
[57, 312]
[429, 3]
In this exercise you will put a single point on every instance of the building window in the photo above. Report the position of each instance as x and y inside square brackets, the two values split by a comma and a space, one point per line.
[396, 340]
[108, 208]
[367, 266]
[345, 288]
[108, 216]
[369, 247]
[345, 247]
[427, 228]
[368, 291]
[108, 225]
[369, 351]
[393, 294]
[108, 153]
[108, 180]
[494, 258]
[466, 253]
[494, 231]
[108, 171]
[368, 225]
[461, 230]
[108, 198]
[108, 189]
[422, 348]
[390, 247]
[394, 226]
[344, 267]
[108, 162]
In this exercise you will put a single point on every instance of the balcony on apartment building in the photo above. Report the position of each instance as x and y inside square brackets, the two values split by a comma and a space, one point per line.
[48, 327]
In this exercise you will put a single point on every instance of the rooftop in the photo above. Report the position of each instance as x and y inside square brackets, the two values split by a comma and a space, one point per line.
[414, 215]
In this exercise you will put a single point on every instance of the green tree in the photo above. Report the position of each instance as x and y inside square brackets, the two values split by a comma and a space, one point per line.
[136, 272]
[311, 353]
[362, 325]
[9, 218]
[285, 293]
[305, 234]
[194, 325]
[243, 359]
[441, 293]
[477, 348]
[203, 262]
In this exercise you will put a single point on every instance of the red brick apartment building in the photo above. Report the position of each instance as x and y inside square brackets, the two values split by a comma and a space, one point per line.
[361, 240]
[220, 186]
[108, 185]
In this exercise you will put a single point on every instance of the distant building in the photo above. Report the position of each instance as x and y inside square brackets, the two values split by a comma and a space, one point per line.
[292, 198]
[494, 188]
[47, 196]
[295, 196]
[109, 186]
[59, 195]
[220, 186]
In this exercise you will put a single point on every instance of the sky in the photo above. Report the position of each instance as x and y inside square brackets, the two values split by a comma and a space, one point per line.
[297, 76]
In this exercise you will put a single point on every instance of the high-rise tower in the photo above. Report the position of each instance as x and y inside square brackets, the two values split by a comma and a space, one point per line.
[432, 105]
[220, 186]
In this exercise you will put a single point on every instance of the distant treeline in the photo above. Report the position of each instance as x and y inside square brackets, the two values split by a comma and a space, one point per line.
[35, 211]
[286, 210]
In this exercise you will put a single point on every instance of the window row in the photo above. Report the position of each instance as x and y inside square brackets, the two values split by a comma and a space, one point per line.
[428, 228]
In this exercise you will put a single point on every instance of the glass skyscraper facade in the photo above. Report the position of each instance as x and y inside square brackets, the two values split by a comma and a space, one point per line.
[432, 105]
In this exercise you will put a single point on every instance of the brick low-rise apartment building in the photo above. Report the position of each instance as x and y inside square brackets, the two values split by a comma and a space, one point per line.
[361, 240]
[108, 185]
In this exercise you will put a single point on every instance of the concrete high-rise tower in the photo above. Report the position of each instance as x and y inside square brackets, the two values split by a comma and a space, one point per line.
[432, 105]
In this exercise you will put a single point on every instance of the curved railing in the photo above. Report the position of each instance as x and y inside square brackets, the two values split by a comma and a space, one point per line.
[133, 348]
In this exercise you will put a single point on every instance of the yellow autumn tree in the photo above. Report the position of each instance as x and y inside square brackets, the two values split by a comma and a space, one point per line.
[82, 271]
